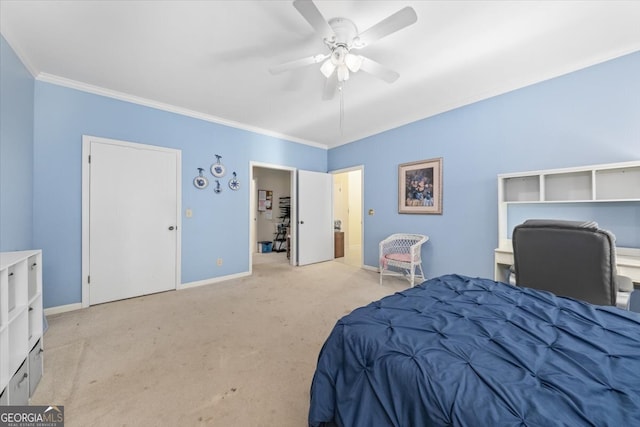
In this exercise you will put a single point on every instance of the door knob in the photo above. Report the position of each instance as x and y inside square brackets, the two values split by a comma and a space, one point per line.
[301, 222]
[171, 228]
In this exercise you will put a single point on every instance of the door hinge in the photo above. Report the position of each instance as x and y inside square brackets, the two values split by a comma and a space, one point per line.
[88, 279]
[89, 158]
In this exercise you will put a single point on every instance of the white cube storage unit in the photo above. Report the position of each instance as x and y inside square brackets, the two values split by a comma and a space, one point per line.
[21, 320]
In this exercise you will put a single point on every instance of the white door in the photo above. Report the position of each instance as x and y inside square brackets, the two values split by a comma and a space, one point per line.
[315, 222]
[133, 220]
[253, 212]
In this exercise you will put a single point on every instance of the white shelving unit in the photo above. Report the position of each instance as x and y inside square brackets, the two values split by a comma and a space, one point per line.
[610, 183]
[21, 320]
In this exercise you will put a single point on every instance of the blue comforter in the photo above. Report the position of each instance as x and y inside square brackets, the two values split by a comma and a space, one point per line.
[458, 351]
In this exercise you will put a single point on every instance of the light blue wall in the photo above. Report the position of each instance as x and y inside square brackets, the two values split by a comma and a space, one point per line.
[219, 227]
[16, 152]
[591, 116]
[587, 117]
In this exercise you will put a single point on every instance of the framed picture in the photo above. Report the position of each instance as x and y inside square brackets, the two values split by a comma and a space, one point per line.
[420, 187]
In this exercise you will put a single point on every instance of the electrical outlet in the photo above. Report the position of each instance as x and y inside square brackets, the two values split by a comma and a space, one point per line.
[219, 262]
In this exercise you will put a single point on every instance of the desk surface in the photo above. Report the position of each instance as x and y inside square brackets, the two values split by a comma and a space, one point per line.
[627, 261]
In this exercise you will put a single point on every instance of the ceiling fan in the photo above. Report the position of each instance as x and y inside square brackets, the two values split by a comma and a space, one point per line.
[341, 37]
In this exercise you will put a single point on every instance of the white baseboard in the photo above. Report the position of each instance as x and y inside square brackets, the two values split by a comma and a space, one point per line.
[370, 268]
[62, 309]
[77, 306]
[212, 280]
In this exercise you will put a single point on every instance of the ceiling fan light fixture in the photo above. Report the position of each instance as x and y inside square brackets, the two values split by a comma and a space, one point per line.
[327, 68]
[340, 36]
[343, 73]
[338, 55]
[354, 62]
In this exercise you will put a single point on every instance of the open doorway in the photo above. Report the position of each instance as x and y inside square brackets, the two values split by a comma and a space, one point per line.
[309, 196]
[272, 188]
[347, 214]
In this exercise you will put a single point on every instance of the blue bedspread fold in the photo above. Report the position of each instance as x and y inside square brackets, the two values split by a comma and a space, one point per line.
[461, 351]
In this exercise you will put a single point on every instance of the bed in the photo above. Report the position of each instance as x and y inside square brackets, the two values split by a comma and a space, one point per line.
[461, 351]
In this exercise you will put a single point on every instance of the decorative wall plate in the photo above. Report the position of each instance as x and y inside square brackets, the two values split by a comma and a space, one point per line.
[217, 169]
[234, 184]
[200, 181]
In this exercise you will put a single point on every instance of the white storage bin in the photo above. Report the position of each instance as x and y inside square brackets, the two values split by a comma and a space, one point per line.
[19, 386]
[35, 366]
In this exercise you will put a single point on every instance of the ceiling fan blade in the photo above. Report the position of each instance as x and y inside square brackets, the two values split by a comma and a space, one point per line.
[399, 20]
[378, 70]
[330, 86]
[310, 12]
[303, 62]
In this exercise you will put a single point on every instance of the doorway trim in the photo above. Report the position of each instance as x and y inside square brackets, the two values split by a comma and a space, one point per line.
[86, 175]
[293, 255]
[361, 169]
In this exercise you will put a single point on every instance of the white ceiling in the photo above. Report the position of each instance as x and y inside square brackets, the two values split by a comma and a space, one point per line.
[210, 59]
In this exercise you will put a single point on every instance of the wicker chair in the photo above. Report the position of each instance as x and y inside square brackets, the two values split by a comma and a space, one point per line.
[400, 256]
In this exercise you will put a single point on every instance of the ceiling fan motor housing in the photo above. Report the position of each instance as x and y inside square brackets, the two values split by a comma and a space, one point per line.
[345, 32]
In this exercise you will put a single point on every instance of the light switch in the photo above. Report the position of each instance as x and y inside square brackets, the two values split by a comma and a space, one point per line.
[188, 213]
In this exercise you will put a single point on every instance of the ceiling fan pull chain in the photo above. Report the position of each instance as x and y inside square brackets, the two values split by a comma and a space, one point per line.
[341, 89]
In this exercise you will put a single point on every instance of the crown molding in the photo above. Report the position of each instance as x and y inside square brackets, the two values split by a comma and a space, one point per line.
[97, 90]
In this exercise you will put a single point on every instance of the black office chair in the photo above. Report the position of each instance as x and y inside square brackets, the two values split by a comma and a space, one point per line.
[569, 258]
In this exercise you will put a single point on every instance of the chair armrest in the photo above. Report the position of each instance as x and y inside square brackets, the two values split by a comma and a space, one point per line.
[624, 288]
[624, 284]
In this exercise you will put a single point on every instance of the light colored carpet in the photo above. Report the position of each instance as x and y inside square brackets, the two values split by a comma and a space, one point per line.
[235, 353]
